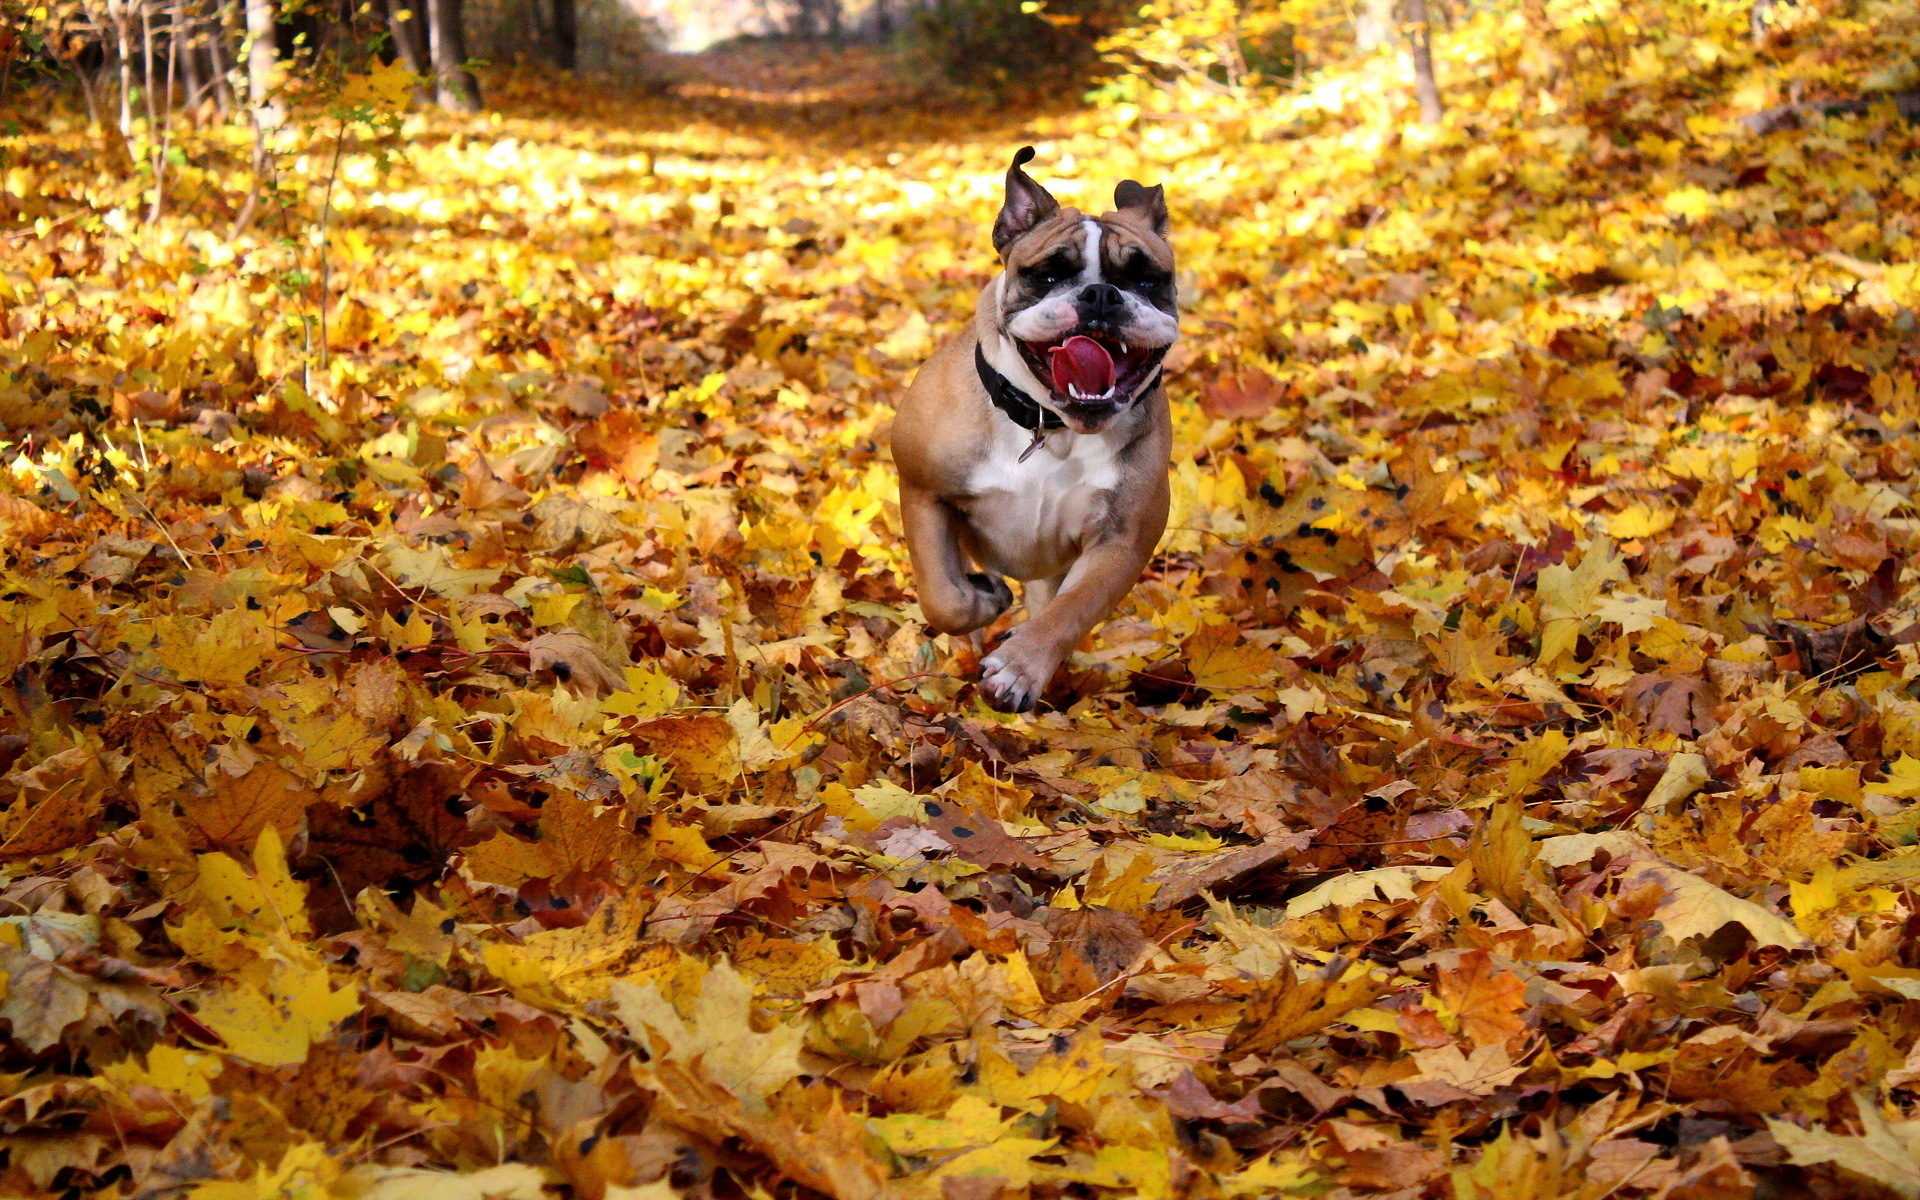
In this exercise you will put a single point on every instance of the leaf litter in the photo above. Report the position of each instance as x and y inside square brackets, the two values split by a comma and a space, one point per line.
[502, 754]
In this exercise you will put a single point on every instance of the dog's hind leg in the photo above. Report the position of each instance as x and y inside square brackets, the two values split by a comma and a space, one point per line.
[952, 599]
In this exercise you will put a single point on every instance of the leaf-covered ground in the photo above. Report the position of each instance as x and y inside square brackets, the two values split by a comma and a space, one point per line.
[500, 757]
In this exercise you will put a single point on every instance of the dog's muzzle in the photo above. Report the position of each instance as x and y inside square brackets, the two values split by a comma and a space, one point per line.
[1094, 371]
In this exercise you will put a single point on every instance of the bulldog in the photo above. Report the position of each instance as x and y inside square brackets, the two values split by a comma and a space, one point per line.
[1035, 445]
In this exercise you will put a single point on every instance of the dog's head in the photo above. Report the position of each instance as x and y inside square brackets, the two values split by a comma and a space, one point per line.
[1086, 302]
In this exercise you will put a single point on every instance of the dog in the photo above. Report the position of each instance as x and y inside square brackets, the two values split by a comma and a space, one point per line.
[1035, 445]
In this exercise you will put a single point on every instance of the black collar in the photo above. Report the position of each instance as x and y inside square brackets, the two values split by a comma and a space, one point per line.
[1008, 397]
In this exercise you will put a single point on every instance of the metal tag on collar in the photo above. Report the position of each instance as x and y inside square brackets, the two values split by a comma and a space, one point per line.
[1039, 439]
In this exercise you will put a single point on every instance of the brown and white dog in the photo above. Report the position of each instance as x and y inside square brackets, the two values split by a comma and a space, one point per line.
[1035, 444]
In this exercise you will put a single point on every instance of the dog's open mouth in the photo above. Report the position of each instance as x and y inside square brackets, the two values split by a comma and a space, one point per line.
[1090, 372]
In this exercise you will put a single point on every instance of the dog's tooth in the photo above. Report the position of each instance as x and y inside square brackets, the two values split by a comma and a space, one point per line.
[1123, 348]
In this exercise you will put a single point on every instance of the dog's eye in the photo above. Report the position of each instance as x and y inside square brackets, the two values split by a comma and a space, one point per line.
[1140, 274]
[1050, 272]
[1149, 281]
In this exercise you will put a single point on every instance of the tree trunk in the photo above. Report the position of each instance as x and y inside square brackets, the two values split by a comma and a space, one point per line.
[123, 54]
[409, 37]
[1420, 41]
[1373, 25]
[146, 72]
[220, 53]
[454, 85]
[88, 81]
[566, 35]
[263, 67]
[186, 34]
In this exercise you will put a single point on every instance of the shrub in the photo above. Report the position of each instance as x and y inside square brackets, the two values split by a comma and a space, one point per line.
[1003, 47]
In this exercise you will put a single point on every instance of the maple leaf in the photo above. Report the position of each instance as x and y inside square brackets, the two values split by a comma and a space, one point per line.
[1887, 1152]
[276, 1019]
[1487, 1003]
[1681, 706]
[1219, 664]
[557, 968]
[42, 998]
[432, 567]
[254, 925]
[235, 810]
[1447, 1075]
[1382, 883]
[386, 86]
[56, 804]
[1247, 395]
[500, 522]
[575, 661]
[717, 1038]
[1692, 907]
[700, 747]
[1293, 1005]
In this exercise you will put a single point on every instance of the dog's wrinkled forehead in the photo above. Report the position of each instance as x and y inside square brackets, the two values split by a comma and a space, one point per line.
[1064, 235]
[1032, 225]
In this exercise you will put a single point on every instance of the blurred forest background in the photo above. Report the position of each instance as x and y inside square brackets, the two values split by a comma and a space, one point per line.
[467, 732]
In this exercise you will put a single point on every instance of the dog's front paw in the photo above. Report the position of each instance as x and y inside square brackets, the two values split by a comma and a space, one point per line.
[1011, 679]
[992, 595]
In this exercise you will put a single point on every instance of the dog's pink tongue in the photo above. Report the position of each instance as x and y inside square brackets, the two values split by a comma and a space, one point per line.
[1084, 363]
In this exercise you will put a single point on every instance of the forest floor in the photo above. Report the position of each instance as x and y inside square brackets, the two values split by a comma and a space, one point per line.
[785, 74]
[469, 732]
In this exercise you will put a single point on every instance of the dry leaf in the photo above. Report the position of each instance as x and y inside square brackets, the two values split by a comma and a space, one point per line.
[467, 725]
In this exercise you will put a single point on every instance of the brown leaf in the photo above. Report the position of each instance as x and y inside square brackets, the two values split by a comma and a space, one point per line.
[1091, 947]
[55, 805]
[573, 841]
[403, 836]
[575, 661]
[1843, 652]
[1244, 396]
[1679, 705]
[42, 999]
[1221, 873]
[1187, 1098]
[235, 809]
[978, 838]
[699, 745]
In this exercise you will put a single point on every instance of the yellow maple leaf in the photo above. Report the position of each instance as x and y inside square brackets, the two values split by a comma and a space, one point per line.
[1220, 661]
[254, 926]
[560, 968]
[305, 1169]
[1638, 521]
[432, 567]
[1691, 202]
[1902, 781]
[1692, 907]
[718, 1038]
[387, 87]
[274, 1020]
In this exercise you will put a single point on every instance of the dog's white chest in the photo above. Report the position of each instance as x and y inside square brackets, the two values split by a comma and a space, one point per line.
[1031, 518]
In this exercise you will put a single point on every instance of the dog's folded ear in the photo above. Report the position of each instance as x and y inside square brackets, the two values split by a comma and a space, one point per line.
[1149, 203]
[1027, 204]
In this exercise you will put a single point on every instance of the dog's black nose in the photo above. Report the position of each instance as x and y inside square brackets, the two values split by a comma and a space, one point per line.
[1101, 304]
